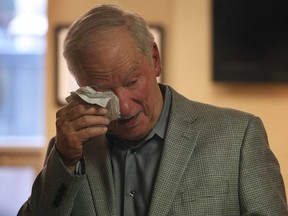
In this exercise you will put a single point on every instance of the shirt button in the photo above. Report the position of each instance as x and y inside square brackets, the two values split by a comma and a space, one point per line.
[133, 152]
[132, 193]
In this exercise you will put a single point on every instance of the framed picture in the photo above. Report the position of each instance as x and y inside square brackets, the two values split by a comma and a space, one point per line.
[65, 82]
[157, 32]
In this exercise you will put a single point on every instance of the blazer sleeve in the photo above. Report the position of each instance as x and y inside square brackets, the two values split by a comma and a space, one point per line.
[54, 189]
[261, 187]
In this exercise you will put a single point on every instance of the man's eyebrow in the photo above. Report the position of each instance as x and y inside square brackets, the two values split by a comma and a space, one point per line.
[133, 69]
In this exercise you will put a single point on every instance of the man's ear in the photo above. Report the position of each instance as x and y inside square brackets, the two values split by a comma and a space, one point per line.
[156, 60]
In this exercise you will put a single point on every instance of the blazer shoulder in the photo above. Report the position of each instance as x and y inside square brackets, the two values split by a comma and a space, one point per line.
[181, 105]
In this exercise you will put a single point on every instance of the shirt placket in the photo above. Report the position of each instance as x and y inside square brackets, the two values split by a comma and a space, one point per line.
[130, 185]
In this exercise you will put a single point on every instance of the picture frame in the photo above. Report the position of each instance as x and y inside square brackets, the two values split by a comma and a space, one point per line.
[65, 82]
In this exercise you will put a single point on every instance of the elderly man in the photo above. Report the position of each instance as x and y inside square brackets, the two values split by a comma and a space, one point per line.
[164, 154]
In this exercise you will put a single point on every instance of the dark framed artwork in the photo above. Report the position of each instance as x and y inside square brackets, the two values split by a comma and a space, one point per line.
[65, 82]
[158, 34]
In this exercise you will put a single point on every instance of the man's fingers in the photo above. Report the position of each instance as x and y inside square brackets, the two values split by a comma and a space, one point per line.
[89, 121]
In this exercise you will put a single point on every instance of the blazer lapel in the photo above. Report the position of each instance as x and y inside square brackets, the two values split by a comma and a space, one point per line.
[181, 137]
[99, 175]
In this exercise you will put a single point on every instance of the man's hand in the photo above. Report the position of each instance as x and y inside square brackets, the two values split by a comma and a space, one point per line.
[76, 123]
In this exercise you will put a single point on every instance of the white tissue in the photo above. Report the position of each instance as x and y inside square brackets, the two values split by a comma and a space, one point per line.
[104, 99]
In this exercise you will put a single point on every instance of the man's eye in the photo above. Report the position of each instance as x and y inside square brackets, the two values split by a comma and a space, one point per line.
[133, 82]
[99, 89]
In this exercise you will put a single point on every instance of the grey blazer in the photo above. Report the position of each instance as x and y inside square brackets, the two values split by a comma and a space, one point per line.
[215, 161]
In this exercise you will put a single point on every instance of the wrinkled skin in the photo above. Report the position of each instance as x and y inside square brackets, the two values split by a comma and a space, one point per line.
[110, 63]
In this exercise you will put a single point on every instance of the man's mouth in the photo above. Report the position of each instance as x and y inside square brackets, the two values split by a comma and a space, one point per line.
[127, 120]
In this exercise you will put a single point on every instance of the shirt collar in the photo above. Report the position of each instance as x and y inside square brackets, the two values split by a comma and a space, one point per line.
[161, 124]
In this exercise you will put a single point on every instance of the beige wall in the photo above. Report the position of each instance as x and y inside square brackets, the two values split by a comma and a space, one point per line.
[187, 64]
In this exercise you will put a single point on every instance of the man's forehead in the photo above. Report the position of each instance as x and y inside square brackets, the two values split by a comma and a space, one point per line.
[105, 37]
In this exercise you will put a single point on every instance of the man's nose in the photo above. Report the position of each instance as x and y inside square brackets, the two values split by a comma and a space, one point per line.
[124, 103]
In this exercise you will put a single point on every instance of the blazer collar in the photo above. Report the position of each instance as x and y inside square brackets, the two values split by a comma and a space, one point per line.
[100, 176]
[182, 134]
